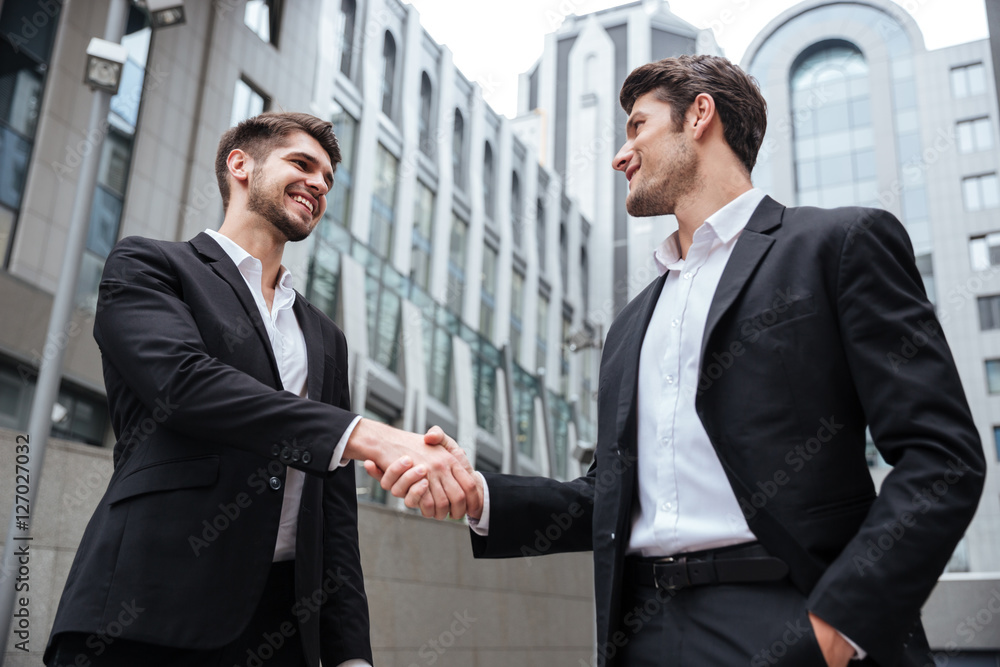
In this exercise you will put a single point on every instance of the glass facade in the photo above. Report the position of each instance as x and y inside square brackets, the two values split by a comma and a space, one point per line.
[22, 81]
[383, 202]
[834, 142]
[488, 292]
[338, 209]
[456, 264]
[423, 225]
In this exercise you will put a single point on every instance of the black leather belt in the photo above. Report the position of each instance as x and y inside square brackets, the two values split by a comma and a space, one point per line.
[743, 564]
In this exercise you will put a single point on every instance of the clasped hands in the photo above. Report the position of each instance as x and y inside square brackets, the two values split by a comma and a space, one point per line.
[430, 472]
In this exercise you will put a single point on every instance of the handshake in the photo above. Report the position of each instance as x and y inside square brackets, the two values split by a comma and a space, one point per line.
[430, 471]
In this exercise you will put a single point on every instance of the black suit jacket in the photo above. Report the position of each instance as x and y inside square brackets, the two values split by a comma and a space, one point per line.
[179, 549]
[819, 327]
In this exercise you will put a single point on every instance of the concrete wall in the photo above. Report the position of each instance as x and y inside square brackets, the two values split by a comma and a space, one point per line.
[430, 601]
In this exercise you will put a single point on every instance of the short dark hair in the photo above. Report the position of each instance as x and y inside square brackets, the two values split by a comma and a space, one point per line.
[261, 134]
[678, 81]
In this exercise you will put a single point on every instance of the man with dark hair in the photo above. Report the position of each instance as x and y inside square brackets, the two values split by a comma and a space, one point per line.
[228, 533]
[730, 508]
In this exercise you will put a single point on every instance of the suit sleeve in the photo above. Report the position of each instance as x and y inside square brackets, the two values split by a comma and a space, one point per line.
[149, 335]
[921, 424]
[534, 516]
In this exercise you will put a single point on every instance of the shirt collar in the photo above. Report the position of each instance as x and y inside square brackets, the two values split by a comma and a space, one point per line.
[245, 261]
[726, 224]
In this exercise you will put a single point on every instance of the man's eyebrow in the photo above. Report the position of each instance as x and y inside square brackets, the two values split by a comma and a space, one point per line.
[311, 159]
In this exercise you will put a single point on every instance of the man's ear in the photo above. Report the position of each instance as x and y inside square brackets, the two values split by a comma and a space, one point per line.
[701, 114]
[240, 164]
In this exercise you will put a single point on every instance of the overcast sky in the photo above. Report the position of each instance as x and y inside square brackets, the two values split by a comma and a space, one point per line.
[493, 41]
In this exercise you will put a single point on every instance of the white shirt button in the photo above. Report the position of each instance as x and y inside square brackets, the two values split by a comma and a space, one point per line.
[666, 507]
[687, 276]
[675, 323]
[670, 379]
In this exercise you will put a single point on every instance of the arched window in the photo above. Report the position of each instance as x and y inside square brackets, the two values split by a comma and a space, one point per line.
[388, 72]
[458, 151]
[424, 122]
[831, 116]
[515, 208]
[488, 179]
[349, 10]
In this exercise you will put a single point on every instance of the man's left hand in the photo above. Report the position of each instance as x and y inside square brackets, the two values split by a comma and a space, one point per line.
[836, 651]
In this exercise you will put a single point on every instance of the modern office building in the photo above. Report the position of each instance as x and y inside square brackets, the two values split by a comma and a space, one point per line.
[568, 108]
[457, 265]
[861, 113]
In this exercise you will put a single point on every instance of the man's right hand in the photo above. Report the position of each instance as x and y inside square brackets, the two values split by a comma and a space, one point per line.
[405, 480]
[442, 481]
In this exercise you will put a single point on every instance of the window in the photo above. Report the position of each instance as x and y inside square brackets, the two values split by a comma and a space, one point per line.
[22, 82]
[488, 179]
[831, 118]
[338, 209]
[388, 72]
[423, 224]
[86, 416]
[996, 440]
[456, 264]
[542, 334]
[348, 15]
[981, 192]
[984, 251]
[515, 209]
[425, 119]
[968, 80]
[564, 355]
[383, 202]
[248, 101]
[458, 151]
[975, 135]
[563, 256]
[989, 312]
[516, 313]
[540, 232]
[993, 376]
[488, 292]
[261, 16]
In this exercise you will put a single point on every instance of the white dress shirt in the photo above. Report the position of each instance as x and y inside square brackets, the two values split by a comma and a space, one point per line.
[289, 347]
[685, 500]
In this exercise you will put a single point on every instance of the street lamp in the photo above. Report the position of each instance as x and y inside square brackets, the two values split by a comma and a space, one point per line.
[105, 61]
[165, 13]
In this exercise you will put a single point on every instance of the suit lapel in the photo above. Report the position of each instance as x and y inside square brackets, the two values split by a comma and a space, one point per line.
[750, 249]
[223, 266]
[629, 366]
[309, 322]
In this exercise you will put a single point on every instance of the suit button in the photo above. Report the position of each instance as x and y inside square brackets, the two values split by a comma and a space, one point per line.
[295, 455]
[275, 450]
[274, 483]
[286, 453]
[306, 457]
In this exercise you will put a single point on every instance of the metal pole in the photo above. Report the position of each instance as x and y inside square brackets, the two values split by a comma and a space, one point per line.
[50, 372]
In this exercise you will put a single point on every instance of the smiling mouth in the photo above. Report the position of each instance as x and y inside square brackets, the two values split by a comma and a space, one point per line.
[299, 199]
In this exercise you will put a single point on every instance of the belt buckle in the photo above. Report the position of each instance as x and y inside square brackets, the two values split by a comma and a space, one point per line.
[670, 585]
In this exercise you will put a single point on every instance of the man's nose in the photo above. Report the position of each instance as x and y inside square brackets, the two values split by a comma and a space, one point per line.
[621, 160]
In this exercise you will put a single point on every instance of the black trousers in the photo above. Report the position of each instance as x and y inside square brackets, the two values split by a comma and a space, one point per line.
[755, 625]
[267, 639]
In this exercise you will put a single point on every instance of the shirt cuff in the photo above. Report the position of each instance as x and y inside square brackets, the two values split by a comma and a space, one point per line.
[859, 653]
[355, 662]
[337, 461]
[481, 526]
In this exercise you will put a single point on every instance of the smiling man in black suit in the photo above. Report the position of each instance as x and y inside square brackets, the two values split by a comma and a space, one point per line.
[228, 533]
[730, 507]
